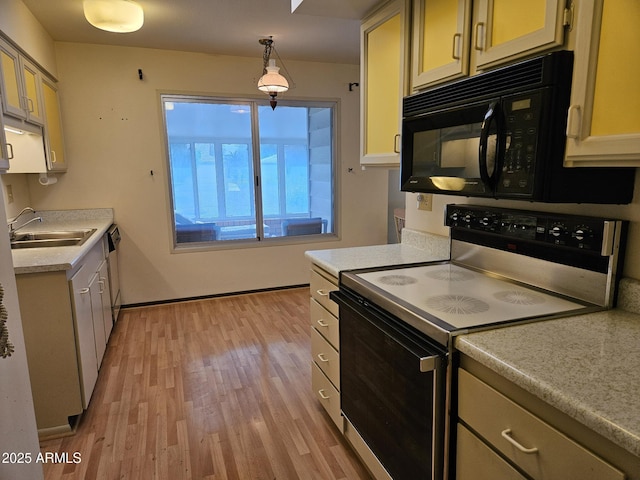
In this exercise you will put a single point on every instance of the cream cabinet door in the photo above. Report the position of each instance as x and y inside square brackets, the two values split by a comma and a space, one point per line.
[504, 29]
[54, 140]
[440, 44]
[382, 84]
[11, 81]
[32, 92]
[603, 125]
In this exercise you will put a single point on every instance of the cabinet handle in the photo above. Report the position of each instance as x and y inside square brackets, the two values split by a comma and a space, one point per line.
[30, 108]
[396, 148]
[322, 323]
[322, 357]
[323, 395]
[53, 156]
[9, 151]
[322, 293]
[456, 42]
[476, 36]
[83, 291]
[573, 122]
[101, 283]
[506, 434]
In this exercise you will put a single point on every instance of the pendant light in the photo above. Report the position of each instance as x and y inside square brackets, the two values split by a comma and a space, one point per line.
[120, 16]
[271, 81]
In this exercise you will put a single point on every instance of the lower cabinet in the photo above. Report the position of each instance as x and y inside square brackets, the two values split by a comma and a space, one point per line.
[498, 438]
[325, 366]
[66, 317]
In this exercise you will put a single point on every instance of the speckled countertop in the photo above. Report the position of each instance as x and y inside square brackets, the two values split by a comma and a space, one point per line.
[415, 247]
[586, 366]
[47, 259]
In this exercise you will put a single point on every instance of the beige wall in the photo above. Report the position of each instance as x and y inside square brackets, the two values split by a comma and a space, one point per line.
[434, 221]
[113, 131]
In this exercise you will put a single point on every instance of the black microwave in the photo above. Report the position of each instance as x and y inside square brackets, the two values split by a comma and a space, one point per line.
[501, 134]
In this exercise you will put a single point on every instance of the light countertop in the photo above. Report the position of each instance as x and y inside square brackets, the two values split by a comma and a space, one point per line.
[416, 247]
[586, 366]
[48, 259]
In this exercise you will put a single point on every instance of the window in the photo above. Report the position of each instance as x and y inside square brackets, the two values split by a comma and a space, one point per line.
[241, 171]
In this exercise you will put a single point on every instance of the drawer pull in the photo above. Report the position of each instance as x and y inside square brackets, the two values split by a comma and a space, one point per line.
[322, 323]
[323, 395]
[506, 434]
[322, 357]
[322, 293]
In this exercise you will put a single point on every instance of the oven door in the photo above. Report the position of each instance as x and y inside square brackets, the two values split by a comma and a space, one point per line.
[392, 387]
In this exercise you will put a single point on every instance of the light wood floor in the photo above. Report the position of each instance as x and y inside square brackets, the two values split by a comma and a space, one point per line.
[213, 389]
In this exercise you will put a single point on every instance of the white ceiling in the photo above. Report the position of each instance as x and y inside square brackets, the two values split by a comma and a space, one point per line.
[318, 30]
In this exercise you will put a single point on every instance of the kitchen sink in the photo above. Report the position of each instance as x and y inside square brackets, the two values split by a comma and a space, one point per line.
[64, 238]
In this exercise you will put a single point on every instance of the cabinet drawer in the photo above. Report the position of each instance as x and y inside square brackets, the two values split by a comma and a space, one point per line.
[326, 357]
[320, 288]
[326, 394]
[476, 461]
[325, 323]
[512, 430]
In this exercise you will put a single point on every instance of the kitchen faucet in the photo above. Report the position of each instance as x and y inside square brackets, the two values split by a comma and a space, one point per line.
[11, 223]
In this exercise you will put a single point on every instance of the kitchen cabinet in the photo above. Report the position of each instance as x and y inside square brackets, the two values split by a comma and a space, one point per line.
[383, 83]
[603, 124]
[504, 432]
[67, 321]
[5, 148]
[21, 92]
[54, 140]
[454, 38]
[325, 366]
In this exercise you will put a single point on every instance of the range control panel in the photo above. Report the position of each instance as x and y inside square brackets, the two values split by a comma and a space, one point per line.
[575, 232]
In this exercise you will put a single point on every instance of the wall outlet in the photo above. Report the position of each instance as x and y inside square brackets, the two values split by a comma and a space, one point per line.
[425, 202]
[9, 194]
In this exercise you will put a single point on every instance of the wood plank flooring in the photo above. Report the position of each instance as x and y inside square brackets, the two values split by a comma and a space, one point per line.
[210, 389]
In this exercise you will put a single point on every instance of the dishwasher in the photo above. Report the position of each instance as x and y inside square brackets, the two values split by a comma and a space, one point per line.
[113, 239]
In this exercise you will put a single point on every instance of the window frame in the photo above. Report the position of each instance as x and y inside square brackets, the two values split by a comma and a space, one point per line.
[255, 102]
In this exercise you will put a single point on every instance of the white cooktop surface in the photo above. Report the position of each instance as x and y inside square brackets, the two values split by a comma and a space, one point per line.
[464, 298]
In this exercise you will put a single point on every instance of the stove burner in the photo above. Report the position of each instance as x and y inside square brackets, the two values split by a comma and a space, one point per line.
[397, 280]
[457, 304]
[450, 276]
[518, 297]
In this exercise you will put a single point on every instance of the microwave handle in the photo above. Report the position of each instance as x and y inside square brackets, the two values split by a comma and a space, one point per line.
[492, 115]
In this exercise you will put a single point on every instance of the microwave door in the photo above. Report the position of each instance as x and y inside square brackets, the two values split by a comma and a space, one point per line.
[441, 152]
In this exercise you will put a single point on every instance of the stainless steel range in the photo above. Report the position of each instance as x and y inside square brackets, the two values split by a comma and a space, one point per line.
[397, 324]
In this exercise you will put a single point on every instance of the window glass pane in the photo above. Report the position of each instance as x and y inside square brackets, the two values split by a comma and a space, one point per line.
[270, 182]
[297, 179]
[206, 181]
[238, 184]
[182, 179]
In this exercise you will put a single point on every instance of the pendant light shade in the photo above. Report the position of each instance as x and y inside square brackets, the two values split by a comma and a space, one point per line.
[272, 81]
[120, 16]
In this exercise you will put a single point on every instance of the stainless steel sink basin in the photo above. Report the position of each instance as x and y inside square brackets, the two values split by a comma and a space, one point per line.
[64, 238]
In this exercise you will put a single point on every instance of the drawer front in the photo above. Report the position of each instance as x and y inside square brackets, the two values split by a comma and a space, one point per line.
[476, 461]
[327, 395]
[320, 288]
[325, 323]
[326, 357]
[534, 446]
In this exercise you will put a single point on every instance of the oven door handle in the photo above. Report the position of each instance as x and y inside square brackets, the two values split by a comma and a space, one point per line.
[429, 364]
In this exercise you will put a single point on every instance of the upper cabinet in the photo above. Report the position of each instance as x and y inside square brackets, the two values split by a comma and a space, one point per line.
[54, 141]
[603, 125]
[455, 38]
[383, 83]
[4, 148]
[22, 96]
[440, 41]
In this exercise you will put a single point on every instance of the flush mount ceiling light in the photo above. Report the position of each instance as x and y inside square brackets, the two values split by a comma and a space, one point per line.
[271, 81]
[120, 16]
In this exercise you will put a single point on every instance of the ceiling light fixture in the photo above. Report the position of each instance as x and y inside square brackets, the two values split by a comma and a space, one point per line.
[120, 16]
[271, 81]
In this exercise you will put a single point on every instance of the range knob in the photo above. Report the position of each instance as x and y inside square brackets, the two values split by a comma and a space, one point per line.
[558, 230]
[582, 232]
